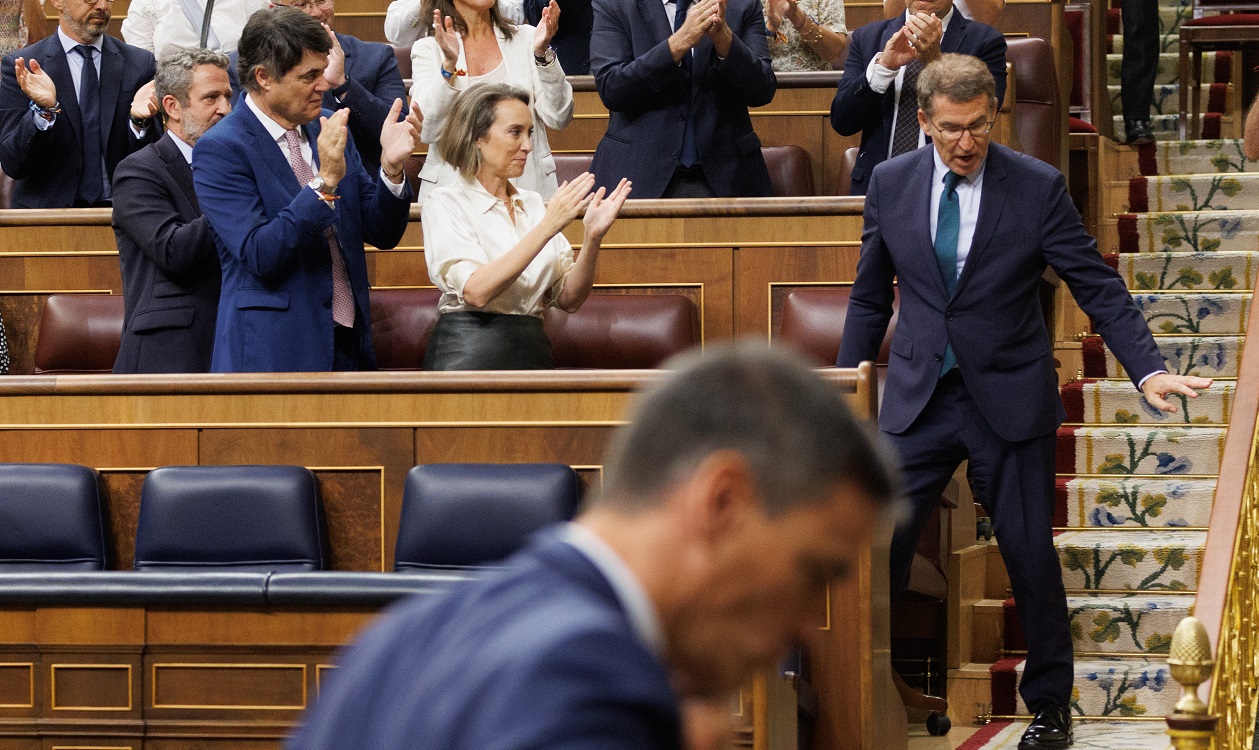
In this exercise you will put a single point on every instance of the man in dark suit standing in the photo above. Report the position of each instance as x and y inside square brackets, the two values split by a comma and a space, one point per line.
[72, 106]
[572, 39]
[677, 79]
[967, 229]
[740, 490]
[170, 266]
[291, 207]
[877, 94]
[363, 77]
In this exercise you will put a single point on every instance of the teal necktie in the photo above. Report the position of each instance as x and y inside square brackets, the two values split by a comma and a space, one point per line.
[948, 222]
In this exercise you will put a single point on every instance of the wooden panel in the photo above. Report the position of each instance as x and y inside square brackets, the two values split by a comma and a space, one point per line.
[112, 626]
[765, 277]
[235, 627]
[228, 686]
[91, 687]
[17, 684]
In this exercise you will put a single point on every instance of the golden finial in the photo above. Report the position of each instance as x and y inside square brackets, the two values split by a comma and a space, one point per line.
[1190, 662]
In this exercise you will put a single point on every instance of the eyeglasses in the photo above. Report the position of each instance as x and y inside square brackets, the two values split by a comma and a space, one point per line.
[952, 133]
[304, 4]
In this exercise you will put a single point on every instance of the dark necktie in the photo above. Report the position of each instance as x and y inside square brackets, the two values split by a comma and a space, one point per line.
[905, 137]
[690, 154]
[342, 296]
[92, 182]
[948, 224]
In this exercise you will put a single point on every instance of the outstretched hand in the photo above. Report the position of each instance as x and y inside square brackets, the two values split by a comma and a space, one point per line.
[569, 201]
[602, 211]
[35, 83]
[333, 135]
[547, 26]
[334, 74]
[446, 37]
[1158, 387]
[399, 138]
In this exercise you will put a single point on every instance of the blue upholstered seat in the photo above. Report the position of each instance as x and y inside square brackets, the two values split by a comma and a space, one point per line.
[50, 518]
[244, 518]
[464, 515]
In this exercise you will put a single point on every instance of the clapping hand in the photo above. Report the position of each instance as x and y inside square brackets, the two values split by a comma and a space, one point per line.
[447, 38]
[547, 26]
[35, 83]
[569, 201]
[334, 74]
[144, 105]
[603, 211]
[333, 135]
[924, 33]
[399, 139]
[719, 32]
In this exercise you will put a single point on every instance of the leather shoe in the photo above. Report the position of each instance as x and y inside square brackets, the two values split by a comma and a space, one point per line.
[1138, 132]
[1050, 730]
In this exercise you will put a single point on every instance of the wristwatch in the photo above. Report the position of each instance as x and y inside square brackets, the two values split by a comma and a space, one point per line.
[546, 58]
[320, 186]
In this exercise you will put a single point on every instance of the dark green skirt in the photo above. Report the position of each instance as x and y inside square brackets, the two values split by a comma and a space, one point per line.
[488, 341]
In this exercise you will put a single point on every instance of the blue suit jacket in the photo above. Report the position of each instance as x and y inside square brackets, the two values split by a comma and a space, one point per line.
[46, 164]
[857, 108]
[648, 96]
[540, 655]
[372, 82]
[275, 308]
[994, 319]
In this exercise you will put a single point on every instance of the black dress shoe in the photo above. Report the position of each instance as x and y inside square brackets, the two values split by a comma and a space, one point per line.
[1138, 132]
[1050, 730]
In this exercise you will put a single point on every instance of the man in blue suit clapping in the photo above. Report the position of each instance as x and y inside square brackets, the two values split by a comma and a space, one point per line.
[291, 205]
[740, 491]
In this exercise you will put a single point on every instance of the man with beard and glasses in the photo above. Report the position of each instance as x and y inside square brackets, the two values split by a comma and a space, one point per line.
[170, 265]
[72, 106]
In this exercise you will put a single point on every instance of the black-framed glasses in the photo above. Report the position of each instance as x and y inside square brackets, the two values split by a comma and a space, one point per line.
[952, 133]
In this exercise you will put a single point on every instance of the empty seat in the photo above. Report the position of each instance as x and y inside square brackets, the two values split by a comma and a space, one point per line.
[812, 322]
[570, 165]
[50, 518]
[790, 170]
[247, 518]
[402, 322]
[79, 333]
[622, 331]
[464, 515]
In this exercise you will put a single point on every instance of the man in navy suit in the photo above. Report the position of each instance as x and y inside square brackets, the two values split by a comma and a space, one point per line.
[967, 229]
[677, 79]
[170, 266]
[291, 206]
[740, 490]
[876, 95]
[363, 76]
[65, 125]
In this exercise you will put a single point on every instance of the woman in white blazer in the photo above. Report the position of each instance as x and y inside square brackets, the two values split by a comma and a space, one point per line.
[472, 43]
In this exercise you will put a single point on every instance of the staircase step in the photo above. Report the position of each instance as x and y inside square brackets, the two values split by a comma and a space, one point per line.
[1140, 450]
[1089, 735]
[1196, 157]
[1169, 18]
[1167, 127]
[1194, 192]
[1106, 503]
[1103, 687]
[1118, 402]
[1216, 68]
[1144, 560]
[1195, 312]
[1189, 233]
[1126, 624]
[1214, 97]
[1207, 356]
[1199, 271]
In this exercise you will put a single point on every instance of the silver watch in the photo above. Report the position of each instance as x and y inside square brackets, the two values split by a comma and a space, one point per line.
[319, 186]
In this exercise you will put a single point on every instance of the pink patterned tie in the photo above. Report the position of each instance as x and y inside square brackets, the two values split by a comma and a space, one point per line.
[342, 297]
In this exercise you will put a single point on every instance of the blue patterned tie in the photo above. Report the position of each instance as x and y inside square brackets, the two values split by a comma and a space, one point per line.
[690, 154]
[92, 183]
[948, 223]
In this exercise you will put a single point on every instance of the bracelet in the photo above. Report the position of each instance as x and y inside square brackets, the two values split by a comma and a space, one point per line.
[546, 58]
[47, 113]
[395, 179]
[816, 36]
[451, 76]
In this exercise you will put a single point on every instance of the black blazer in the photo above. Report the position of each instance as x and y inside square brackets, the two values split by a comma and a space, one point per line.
[572, 38]
[648, 96]
[46, 165]
[170, 266]
[372, 82]
[857, 108]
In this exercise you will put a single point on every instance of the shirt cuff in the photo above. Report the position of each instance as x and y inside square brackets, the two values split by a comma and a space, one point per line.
[879, 77]
[42, 124]
[396, 189]
[139, 133]
[1141, 384]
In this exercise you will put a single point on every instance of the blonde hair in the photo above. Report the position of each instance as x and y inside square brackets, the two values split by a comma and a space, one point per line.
[470, 119]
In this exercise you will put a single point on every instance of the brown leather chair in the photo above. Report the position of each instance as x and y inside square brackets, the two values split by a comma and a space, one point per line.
[403, 56]
[623, 331]
[790, 170]
[846, 165]
[411, 168]
[1040, 114]
[812, 323]
[569, 165]
[79, 333]
[402, 321]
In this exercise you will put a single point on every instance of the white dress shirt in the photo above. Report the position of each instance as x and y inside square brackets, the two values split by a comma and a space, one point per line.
[880, 78]
[629, 591]
[969, 190]
[466, 227]
[161, 27]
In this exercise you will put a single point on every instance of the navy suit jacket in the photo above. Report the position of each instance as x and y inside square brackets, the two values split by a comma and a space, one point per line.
[46, 164]
[539, 655]
[857, 108]
[572, 38]
[275, 310]
[648, 96]
[372, 82]
[170, 266]
[994, 319]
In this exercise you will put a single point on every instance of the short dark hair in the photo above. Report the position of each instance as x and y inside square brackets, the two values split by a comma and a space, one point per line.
[469, 120]
[174, 72]
[275, 40]
[795, 431]
[959, 78]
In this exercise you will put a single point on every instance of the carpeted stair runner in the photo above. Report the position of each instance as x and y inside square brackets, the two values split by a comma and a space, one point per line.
[1117, 402]
[1194, 192]
[1195, 157]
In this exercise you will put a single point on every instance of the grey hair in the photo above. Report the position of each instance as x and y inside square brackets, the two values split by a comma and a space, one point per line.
[470, 119]
[799, 438]
[959, 78]
[174, 72]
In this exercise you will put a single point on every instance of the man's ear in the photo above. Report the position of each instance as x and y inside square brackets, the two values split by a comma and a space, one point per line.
[724, 494]
[170, 107]
[924, 123]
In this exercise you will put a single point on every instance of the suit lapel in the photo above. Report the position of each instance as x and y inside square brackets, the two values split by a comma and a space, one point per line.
[179, 170]
[267, 151]
[919, 194]
[53, 58]
[952, 39]
[111, 84]
[991, 205]
[657, 20]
